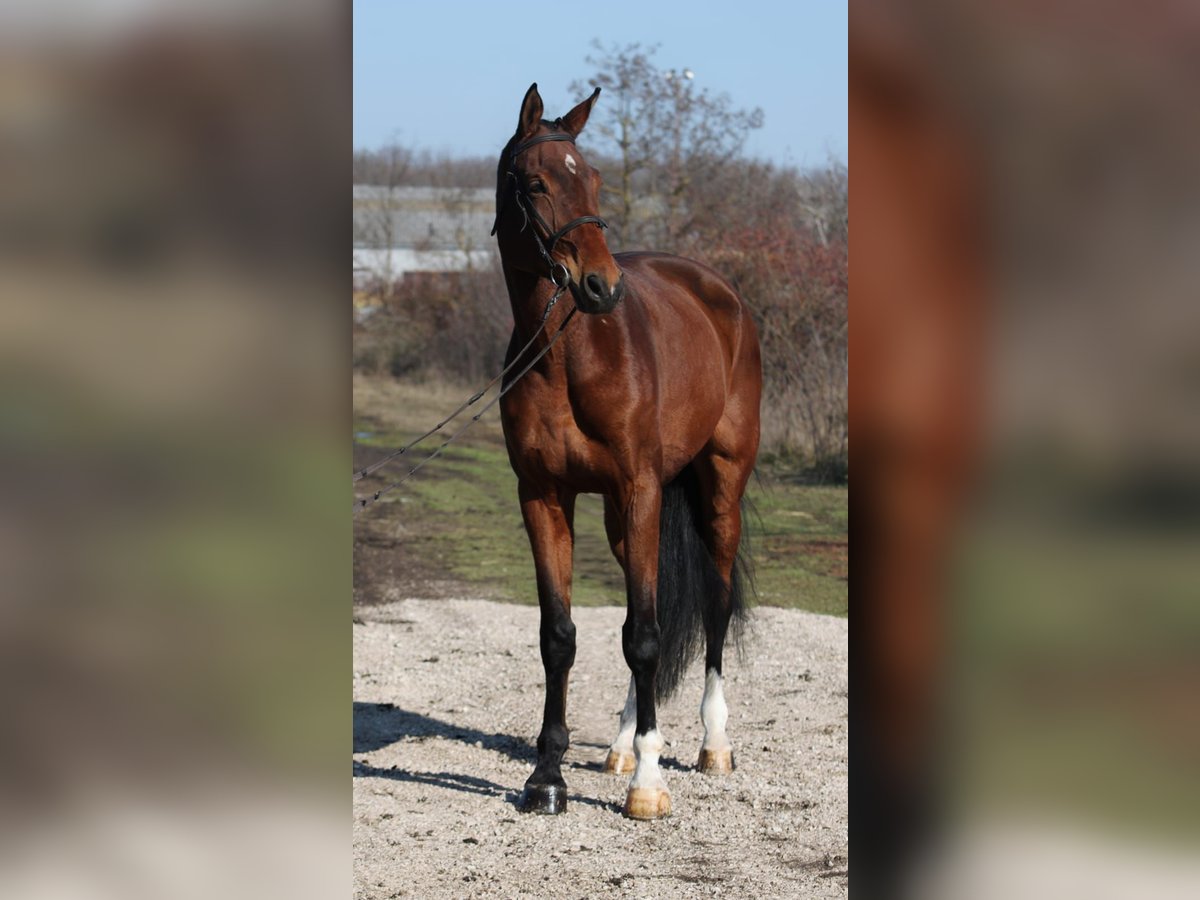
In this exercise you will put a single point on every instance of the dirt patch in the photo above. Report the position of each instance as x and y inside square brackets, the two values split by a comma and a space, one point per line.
[393, 559]
[833, 556]
[447, 704]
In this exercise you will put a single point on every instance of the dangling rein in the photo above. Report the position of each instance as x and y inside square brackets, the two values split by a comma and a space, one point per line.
[361, 503]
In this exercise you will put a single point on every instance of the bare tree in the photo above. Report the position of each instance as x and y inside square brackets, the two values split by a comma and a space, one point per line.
[825, 199]
[660, 138]
[426, 168]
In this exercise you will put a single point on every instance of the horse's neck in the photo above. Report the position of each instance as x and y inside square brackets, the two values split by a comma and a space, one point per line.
[529, 296]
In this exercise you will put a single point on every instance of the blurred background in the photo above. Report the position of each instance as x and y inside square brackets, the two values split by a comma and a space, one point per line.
[176, 547]
[174, 643]
[1024, 409]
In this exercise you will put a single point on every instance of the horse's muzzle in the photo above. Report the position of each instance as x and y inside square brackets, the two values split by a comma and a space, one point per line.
[596, 296]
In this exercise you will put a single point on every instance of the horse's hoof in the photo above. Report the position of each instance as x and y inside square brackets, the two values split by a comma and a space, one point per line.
[715, 762]
[619, 763]
[647, 803]
[543, 799]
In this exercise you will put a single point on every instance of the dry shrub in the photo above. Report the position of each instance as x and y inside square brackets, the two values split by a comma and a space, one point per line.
[797, 287]
[448, 325]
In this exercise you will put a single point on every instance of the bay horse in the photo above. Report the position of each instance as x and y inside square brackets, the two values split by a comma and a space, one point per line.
[651, 399]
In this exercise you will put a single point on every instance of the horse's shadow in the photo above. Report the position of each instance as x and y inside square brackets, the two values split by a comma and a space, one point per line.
[377, 725]
[453, 781]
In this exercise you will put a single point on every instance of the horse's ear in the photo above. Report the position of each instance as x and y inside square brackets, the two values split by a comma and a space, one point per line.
[531, 111]
[577, 118]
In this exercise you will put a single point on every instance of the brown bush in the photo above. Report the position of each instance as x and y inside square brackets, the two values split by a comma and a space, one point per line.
[451, 325]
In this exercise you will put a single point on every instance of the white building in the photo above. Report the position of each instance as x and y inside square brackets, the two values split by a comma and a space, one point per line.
[420, 229]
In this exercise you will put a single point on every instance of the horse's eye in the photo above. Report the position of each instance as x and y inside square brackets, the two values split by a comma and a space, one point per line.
[537, 186]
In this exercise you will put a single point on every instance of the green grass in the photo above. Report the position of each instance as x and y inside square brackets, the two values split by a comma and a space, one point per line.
[464, 508]
[799, 544]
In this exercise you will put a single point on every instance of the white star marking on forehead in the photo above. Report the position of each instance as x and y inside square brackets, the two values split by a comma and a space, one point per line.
[571, 163]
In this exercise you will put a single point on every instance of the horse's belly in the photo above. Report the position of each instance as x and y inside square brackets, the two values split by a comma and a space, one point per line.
[690, 412]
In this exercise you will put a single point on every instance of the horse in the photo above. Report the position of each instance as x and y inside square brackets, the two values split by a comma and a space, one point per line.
[651, 399]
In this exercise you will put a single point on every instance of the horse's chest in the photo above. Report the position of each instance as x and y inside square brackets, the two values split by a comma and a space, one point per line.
[544, 440]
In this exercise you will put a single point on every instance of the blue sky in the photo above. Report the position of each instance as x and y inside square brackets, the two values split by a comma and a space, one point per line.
[450, 75]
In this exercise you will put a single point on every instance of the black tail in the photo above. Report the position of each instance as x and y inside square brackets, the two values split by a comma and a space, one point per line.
[689, 588]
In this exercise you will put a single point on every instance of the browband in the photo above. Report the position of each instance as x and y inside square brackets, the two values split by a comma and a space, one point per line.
[551, 136]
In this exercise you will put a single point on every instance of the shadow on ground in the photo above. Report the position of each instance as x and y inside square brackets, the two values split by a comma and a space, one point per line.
[377, 725]
[468, 784]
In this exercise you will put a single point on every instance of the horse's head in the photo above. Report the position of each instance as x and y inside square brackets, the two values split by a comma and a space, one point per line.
[547, 207]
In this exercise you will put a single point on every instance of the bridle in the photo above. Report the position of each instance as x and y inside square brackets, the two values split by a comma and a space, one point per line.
[559, 274]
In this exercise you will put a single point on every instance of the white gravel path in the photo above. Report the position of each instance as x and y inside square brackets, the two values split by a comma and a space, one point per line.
[448, 699]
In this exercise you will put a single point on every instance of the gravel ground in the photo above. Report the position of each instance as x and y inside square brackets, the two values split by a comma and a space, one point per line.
[447, 705]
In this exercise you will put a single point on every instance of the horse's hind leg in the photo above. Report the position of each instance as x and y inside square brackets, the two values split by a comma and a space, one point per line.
[722, 481]
[548, 521]
[621, 758]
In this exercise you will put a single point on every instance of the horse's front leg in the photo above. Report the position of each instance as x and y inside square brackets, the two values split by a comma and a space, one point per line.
[549, 517]
[647, 797]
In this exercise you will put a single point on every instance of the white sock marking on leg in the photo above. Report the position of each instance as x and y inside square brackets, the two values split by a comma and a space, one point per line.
[713, 713]
[624, 739]
[648, 747]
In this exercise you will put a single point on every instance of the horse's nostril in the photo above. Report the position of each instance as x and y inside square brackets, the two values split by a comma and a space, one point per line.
[594, 287]
[618, 292]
